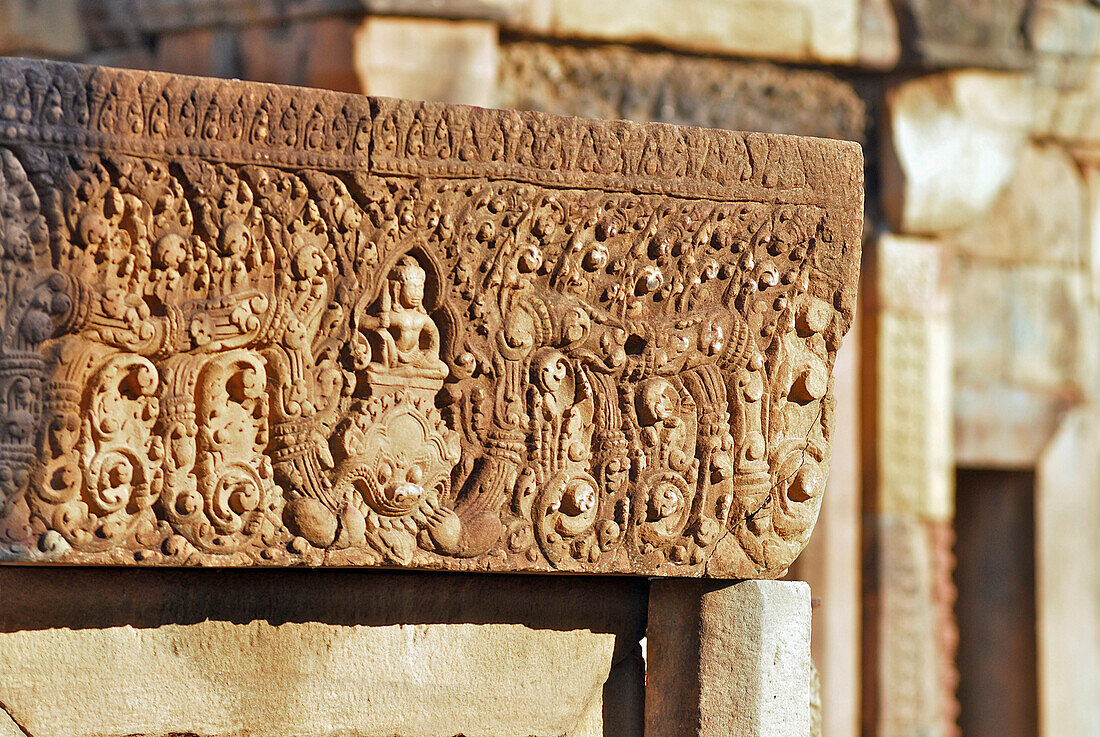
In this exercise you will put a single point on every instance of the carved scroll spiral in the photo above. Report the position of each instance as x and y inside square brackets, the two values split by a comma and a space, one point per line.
[208, 361]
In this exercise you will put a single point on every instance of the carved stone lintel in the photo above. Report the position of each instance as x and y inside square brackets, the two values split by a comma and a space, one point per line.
[249, 325]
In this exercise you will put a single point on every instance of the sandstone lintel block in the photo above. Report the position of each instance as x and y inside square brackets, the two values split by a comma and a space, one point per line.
[256, 325]
[728, 659]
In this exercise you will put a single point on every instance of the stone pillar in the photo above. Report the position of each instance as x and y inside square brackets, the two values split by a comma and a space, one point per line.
[1067, 513]
[728, 659]
[909, 639]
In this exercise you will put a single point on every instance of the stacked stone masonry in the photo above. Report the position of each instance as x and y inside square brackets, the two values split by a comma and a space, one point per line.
[252, 325]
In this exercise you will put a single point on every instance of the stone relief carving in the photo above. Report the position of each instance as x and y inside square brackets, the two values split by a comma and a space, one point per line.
[247, 325]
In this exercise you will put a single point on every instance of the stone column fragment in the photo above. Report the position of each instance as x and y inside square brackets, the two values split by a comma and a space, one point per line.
[728, 659]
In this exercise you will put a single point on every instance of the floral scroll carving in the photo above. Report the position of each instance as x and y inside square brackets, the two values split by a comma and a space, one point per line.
[246, 325]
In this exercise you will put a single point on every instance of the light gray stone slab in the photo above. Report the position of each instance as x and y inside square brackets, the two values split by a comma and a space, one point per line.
[728, 659]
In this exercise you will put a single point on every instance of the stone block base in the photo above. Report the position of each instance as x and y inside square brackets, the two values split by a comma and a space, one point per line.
[316, 654]
[728, 659]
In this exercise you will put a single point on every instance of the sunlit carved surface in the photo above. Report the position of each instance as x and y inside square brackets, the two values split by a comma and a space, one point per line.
[247, 325]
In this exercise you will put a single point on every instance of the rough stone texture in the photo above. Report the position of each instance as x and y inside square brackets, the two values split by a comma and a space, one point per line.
[879, 39]
[611, 82]
[41, 28]
[904, 686]
[256, 325]
[1064, 27]
[728, 659]
[951, 143]
[423, 59]
[794, 30]
[907, 687]
[1027, 357]
[835, 551]
[303, 679]
[981, 33]
[1038, 218]
[312, 653]
[914, 348]
[1066, 38]
[1092, 226]
[1067, 511]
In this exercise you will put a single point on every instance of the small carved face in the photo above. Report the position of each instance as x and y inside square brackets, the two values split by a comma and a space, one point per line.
[665, 501]
[412, 292]
[409, 278]
[659, 401]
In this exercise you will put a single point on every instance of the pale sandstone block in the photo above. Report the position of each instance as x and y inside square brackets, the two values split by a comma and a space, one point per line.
[1067, 515]
[951, 144]
[1039, 218]
[217, 652]
[966, 33]
[1025, 355]
[903, 650]
[1092, 225]
[426, 59]
[914, 360]
[728, 659]
[309, 679]
[879, 40]
[1046, 327]
[1067, 98]
[41, 27]
[793, 30]
[1064, 28]
[998, 425]
[8, 727]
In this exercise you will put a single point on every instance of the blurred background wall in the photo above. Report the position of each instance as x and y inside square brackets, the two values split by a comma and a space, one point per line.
[955, 570]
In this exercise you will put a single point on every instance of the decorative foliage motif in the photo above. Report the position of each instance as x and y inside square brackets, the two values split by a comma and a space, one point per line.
[244, 325]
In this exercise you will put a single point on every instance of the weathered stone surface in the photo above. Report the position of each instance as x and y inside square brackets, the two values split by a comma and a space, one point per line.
[1067, 512]
[979, 33]
[835, 551]
[902, 688]
[913, 398]
[952, 142]
[1092, 225]
[1027, 357]
[303, 678]
[793, 30]
[612, 82]
[728, 660]
[1039, 218]
[41, 27]
[425, 59]
[1066, 36]
[998, 425]
[879, 39]
[1064, 28]
[219, 653]
[472, 339]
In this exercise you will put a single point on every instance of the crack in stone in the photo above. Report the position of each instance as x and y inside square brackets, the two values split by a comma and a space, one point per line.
[4, 708]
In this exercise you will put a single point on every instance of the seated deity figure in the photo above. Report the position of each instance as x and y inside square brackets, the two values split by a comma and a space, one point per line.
[405, 340]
